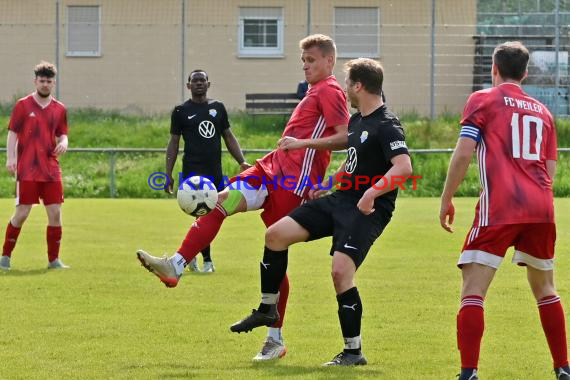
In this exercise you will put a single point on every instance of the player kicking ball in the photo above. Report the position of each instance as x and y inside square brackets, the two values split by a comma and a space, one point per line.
[317, 126]
[355, 216]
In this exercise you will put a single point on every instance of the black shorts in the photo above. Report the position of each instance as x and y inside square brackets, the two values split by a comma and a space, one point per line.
[336, 215]
[212, 174]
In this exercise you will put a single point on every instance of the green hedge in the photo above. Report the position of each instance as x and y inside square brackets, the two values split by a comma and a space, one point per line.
[87, 174]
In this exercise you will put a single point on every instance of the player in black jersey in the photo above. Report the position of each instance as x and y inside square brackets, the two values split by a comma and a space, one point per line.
[355, 215]
[201, 122]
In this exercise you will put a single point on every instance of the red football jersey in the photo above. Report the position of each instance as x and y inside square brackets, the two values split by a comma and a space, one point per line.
[516, 135]
[37, 129]
[323, 108]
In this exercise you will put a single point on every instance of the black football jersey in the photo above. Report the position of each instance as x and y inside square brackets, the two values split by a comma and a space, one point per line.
[373, 140]
[201, 126]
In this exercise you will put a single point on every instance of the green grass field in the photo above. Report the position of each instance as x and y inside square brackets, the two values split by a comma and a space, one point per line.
[109, 318]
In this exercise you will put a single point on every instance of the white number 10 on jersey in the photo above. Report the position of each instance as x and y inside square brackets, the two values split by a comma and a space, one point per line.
[527, 120]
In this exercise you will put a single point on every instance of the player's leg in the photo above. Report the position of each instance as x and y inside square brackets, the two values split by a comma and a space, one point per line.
[280, 202]
[273, 267]
[26, 196]
[52, 196]
[238, 197]
[349, 311]
[54, 232]
[208, 263]
[354, 234]
[13, 229]
[482, 254]
[470, 318]
[551, 317]
[535, 249]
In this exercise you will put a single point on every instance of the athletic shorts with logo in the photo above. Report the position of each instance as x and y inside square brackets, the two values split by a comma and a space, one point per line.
[336, 215]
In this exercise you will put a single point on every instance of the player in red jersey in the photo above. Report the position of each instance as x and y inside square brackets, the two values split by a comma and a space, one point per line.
[515, 140]
[278, 182]
[37, 135]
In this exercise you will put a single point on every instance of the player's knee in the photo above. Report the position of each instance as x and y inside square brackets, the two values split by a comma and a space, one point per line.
[542, 287]
[340, 276]
[54, 213]
[20, 216]
[274, 238]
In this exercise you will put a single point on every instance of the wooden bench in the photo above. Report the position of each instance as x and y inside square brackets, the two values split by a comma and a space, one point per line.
[270, 104]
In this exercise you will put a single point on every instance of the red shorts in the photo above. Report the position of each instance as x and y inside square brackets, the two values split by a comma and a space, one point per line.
[277, 203]
[533, 242]
[30, 192]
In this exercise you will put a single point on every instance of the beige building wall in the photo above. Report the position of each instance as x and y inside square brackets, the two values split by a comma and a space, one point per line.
[405, 50]
[27, 36]
[139, 66]
[213, 46]
[139, 69]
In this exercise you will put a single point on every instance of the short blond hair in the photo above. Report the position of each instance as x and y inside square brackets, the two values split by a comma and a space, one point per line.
[325, 44]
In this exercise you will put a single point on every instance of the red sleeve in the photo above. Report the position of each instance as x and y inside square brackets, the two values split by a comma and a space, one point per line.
[16, 119]
[473, 113]
[332, 102]
[552, 142]
[62, 126]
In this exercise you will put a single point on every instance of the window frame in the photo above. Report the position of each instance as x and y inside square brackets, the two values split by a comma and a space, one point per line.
[261, 52]
[340, 53]
[83, 53]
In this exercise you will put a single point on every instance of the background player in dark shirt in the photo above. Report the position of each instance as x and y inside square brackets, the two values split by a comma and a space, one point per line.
[201, 122]
[354, 216]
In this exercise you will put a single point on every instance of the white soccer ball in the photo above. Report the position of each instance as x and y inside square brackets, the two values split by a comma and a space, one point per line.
[197, 196]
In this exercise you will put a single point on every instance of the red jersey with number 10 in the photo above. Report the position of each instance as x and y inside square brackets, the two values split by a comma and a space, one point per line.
[323, 108]
[516, 135]
[37, 129]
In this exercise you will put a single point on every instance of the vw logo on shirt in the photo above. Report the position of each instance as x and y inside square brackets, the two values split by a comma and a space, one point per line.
[351, 162]
[207, 129]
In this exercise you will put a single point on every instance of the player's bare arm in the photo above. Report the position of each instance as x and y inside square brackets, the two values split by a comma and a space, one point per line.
[234, 148]
[551, 168]
[455, 174]
[338, 141]
[11, 161]
[329, 182]
[61, 145]
[171, 155]
[401, 167]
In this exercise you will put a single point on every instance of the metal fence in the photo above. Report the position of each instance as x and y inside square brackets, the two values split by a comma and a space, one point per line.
[112, 154]
[134, 56]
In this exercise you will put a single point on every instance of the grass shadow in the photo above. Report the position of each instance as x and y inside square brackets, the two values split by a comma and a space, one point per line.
[275, 368]
[22, 273]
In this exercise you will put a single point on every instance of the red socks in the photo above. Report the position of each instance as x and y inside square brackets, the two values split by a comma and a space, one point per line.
[53, 237]
[10, 239]
[554, 326]
[470, 326]
[202, 233]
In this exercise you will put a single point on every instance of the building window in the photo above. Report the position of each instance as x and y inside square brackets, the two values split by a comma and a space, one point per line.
[260, 32]
[83, 31]
[357, 32]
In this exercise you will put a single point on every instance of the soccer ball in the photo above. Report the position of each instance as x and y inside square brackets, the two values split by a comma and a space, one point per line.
[197, 196]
